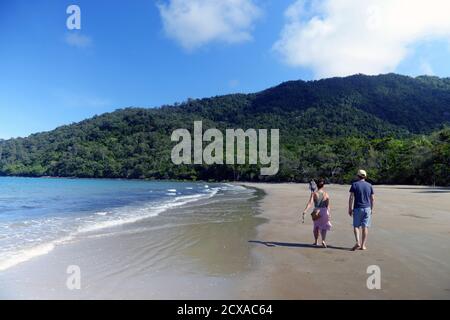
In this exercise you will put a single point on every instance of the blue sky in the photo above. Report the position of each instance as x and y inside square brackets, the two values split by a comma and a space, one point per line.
[148, 53]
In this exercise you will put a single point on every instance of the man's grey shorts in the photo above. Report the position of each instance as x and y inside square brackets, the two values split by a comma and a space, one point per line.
[362, 217]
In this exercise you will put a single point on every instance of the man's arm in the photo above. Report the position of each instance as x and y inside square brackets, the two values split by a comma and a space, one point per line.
[350, 203]
[372, 201]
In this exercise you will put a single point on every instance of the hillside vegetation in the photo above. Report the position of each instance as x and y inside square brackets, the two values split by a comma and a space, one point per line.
[393, 126]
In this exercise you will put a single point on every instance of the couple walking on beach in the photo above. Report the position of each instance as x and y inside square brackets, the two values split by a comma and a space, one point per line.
[360, 206]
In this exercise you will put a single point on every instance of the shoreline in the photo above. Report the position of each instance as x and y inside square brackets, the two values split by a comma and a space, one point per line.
[195, 251]
[211, 181]
[408, 242]
[41, 249]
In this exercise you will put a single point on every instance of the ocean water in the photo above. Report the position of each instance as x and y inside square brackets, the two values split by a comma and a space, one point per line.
[38, 214]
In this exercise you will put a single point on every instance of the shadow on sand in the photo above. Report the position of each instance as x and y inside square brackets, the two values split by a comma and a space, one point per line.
[296, 245]
[434, 191]
[425, 189]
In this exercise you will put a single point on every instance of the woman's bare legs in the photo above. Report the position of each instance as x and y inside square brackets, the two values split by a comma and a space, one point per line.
[316, 236]
[324, 237]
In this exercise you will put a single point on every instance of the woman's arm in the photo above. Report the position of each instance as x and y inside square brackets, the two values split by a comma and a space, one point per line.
[308, 205]
[328, 204]
[310, 202]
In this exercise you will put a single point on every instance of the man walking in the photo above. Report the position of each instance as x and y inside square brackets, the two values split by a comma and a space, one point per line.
[360, 207]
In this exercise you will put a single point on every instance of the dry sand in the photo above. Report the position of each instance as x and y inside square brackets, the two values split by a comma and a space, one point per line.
[409, 241]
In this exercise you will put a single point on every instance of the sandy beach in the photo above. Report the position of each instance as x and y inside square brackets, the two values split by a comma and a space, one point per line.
[409, 241]
[254, 246]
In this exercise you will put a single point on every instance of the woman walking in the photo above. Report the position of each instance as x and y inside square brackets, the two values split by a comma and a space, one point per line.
[321, 213]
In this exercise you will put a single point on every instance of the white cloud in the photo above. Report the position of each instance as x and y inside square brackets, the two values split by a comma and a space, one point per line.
[78, 40]
[193, 23]
[426, 68]
[342, 37]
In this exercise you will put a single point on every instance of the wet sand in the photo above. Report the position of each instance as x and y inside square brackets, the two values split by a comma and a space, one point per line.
[409, 241]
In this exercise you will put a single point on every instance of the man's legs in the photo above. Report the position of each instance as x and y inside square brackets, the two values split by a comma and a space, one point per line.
[356, 227]
[365, 233]
[356, 232]
[365, 227]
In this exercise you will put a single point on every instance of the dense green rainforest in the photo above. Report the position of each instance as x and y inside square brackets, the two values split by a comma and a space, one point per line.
[395, 127]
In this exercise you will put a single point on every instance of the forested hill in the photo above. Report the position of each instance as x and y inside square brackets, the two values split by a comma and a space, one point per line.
[392, 125]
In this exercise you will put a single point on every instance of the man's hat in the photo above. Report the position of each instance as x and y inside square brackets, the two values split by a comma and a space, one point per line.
[362, 173]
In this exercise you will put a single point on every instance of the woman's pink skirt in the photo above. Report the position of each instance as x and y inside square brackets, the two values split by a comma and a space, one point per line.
[323, 223]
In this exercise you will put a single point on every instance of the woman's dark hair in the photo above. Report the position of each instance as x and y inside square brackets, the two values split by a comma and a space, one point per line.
[320, 183]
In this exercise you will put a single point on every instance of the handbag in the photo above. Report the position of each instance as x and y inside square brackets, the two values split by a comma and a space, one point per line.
[315, 214]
